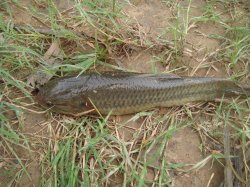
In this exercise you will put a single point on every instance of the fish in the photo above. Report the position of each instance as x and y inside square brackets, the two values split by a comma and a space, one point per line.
[127, 93]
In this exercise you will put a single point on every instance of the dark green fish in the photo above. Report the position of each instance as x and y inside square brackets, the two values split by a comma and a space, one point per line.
[121, 93]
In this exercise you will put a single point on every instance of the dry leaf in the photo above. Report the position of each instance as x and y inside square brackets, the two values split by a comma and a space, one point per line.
[51, 57]
[53, 50]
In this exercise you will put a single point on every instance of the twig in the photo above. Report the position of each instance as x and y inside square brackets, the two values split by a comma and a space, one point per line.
[209, 182]
[238, 164]
[227, 170]
[47, 31]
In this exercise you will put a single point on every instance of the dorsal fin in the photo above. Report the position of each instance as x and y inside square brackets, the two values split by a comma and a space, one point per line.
[160, 76]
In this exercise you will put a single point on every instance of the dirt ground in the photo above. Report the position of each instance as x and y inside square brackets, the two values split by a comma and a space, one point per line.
[153, 18]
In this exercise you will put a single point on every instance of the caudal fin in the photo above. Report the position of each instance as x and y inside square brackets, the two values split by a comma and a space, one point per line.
[246, 90]
[237, 91]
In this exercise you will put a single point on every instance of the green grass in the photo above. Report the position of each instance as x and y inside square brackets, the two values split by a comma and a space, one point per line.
[89, 150]
[180, 27]
[11, 139]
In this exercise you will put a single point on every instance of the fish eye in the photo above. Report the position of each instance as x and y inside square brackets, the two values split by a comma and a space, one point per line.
[82, 104]
[49, 103]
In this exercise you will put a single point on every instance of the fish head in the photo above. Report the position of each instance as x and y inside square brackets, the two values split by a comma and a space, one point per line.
[55, 98]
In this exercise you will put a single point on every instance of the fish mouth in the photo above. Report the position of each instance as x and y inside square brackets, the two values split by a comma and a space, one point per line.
[41, 97]
[44, 100]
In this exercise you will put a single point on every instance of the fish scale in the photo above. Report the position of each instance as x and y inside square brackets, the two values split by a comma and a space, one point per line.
[122, 93]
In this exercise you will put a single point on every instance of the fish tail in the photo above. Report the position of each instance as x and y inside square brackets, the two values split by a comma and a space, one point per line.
[237, 91]
[246, 90]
